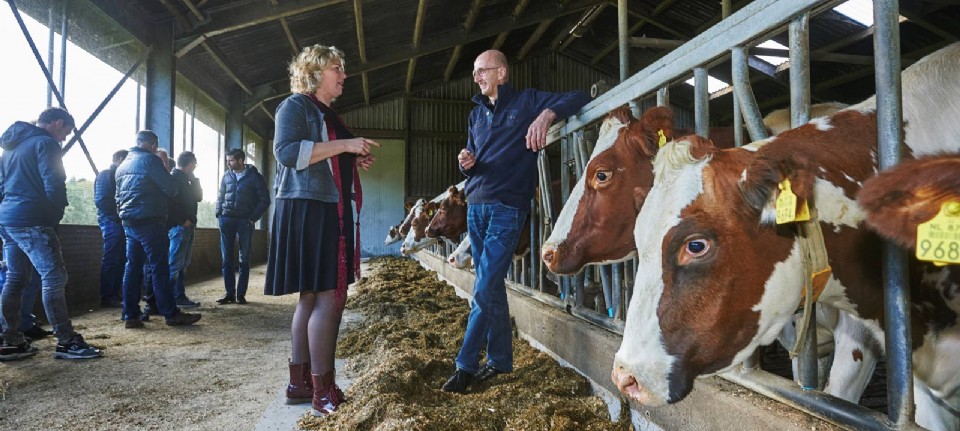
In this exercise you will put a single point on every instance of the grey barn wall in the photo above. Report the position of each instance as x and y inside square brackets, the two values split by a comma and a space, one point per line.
[83, 247]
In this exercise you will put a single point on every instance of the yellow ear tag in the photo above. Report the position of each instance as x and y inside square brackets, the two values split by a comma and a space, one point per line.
[938, 239]
[663, 138]
[787, 211]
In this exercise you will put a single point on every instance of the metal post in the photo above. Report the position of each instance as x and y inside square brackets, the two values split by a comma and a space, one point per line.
[622, 35]
[50, 54]
[886, 47]
[618, 302]
[663, 96]
[534, 245]
[701, 102]
[233, 135]
[63, 53]
[744, 91]
[606, 284]
[737, 122]
[161, 86]
[799, 114]
[136, 127]
[193, 125]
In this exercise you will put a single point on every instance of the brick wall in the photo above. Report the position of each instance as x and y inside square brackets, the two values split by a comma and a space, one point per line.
[83, 248]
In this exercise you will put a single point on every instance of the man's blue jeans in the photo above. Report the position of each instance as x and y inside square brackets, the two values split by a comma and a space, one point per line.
[181, 249]
[494, 230]
[230, 229]
[30, 293]
[40, 246]
[114, 257]
[148, 242]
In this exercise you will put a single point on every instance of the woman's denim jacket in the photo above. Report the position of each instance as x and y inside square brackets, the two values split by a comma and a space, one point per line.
[300, 126]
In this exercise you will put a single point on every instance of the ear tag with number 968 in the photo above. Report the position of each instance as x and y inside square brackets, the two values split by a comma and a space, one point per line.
[938, 239]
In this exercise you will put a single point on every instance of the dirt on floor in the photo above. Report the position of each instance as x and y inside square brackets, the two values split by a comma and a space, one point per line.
[403, 353]
[218, 375]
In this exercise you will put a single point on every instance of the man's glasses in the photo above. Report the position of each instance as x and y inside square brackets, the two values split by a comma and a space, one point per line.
[483, 71]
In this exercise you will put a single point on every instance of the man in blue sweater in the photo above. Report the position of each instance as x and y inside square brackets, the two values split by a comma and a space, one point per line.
[114, 240]
[242, 200]
[34, 193]
[506, 129]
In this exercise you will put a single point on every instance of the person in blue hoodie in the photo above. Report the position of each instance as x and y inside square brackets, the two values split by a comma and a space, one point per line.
[506, 129]
[242, 200]
[114, 240]
[34, 195]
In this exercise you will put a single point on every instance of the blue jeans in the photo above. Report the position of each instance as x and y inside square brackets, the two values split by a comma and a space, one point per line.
[27, 319]
[181, 249]
[40, 246]
[114, 257]
[148, 242]
[230, 229]
[494, 230]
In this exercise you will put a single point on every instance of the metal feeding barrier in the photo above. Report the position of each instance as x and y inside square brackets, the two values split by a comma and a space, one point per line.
[612, 283]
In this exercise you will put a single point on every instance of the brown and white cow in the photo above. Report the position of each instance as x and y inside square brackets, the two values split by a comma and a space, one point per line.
[416, 238]
[717, 278]
[596, 224]
[450, 220]
[399, 232]
[899, 199]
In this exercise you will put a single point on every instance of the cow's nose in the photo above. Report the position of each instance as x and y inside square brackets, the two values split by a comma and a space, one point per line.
[628, 385]
[452, 260]
[549, 254]
[403, 250]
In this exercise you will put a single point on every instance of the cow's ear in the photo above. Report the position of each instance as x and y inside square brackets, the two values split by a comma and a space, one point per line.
[452, 191]
[759, 184]
[407, 205]
[622, 114]
[640, 196]
[652, 131]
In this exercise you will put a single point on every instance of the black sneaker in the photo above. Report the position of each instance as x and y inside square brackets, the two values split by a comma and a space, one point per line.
[150, 311]
[241, 300]
[76, 348]
[228, 299]
[487, 372]
[36, 332]
[187, 303]
[183, 319]
[9, 352]
[133, 323]
[458, 382]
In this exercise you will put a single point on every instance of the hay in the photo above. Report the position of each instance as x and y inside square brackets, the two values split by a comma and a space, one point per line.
[404, 352]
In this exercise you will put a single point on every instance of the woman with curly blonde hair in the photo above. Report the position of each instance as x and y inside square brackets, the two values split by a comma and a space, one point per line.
[314, 251]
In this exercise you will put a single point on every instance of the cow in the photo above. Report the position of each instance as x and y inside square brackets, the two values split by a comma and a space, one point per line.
[898, 200]
[596, 223]
[716, 278]
[779, 120]
[416, 238]
[399, 232]
[450, 220]
[462, 257]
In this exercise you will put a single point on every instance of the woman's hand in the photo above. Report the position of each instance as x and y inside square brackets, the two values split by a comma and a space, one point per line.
[366, 162]
[358, 146]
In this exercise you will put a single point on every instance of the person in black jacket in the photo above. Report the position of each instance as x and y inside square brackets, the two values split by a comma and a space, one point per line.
[143, 186]
[114, 241]
[34, 194]
[242, 200]
[182, 219]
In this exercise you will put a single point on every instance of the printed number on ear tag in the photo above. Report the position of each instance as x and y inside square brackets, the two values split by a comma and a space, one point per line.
[787, 208]
[938, 239]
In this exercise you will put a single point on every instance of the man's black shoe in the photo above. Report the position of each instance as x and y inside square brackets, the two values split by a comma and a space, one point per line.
[458, 382]
[227, 300]
[487, 372]
[241, 300]
[183, 319]
[36, 332]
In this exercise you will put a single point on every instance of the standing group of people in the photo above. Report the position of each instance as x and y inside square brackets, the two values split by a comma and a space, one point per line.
[314, 251]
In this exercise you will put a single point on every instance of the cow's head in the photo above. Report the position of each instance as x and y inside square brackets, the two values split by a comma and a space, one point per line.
[462, 257]
[596, 222]
[417, 236]
[899, 199]
[716, 276]
[450, 220]
[399, 232]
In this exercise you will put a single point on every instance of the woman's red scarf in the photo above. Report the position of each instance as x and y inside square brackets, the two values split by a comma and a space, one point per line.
[342, 245]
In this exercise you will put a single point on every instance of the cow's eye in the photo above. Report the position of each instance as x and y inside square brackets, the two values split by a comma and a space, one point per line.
[601, 178]
[693, 249]
[604, 175]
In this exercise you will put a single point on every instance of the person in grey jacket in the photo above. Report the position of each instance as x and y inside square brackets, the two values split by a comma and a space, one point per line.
[314, 247]
[34, 195]
[241, 202]
[143, 187]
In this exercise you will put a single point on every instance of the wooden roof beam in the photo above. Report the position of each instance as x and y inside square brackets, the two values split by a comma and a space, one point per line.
[361, 46]
[219, 59]
[234, 19]
[927, 25]
[633, 29]
[441, 42]
[180, 17]
[193, 9]
[561, 43]
[417, 32]
[457, 50]
[534, 38]
[294, 46]
[517, 12]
